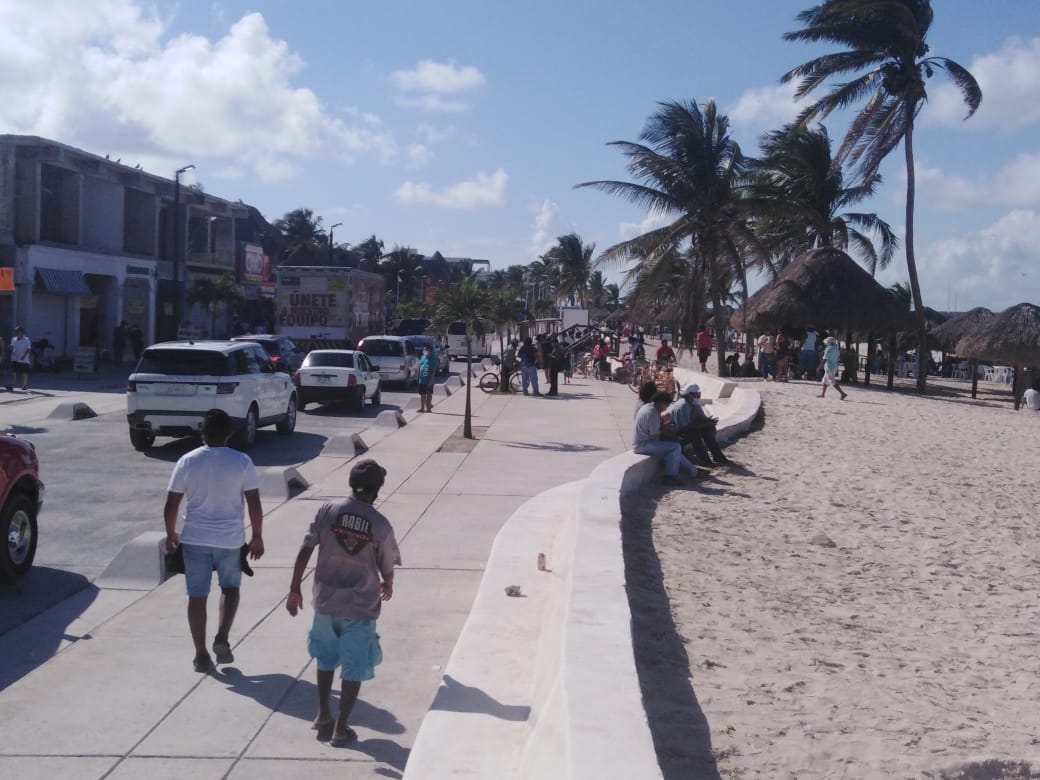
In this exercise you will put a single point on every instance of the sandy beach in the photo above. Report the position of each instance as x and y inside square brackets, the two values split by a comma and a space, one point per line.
[858, 597]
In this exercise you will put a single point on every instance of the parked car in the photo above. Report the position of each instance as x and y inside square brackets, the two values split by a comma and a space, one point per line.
[177, 382]
[395, 356]
[412, 326]
[337, 375]
[441, 361]
[457, 338]
[21, 496]
[280, 349]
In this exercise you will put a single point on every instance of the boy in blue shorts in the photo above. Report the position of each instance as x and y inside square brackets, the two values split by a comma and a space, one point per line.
[357, 552]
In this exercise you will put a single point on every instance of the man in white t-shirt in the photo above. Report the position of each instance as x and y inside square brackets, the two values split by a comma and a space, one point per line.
[213, 479]
[1031, 397]
[807, 361]
[21, 349]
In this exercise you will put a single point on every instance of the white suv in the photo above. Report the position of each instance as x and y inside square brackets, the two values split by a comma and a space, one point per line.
[177, 382]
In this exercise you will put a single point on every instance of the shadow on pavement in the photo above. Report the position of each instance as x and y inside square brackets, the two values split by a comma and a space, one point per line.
[52, 599]
[454, 696]
[555, 446]
[271, 448]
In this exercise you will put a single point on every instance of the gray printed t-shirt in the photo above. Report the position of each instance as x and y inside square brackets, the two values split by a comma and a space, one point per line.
[356, 549]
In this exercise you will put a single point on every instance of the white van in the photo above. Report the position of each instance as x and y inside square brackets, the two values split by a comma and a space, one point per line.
[480, 348]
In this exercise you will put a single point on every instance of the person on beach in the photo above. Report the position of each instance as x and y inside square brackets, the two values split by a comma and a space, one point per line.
[426, 380]
[646, 395]
[766, 367]
[646, 439]
[665, 355]
[529, 366]
[782, 351]
[829, 365]
[695, 427]
[703, 341]
[357, 553]
[807, 360]
[1031, 397]
[213, 480]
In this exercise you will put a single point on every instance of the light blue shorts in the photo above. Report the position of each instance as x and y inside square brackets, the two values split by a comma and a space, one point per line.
[352, 645]
[200, 561]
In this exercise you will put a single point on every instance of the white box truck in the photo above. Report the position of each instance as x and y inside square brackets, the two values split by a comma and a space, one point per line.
[321, 307]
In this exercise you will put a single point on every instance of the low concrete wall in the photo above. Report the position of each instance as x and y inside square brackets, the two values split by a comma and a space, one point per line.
[567, 701]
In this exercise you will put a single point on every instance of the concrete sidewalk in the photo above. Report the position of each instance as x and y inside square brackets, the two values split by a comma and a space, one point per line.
[121, 699]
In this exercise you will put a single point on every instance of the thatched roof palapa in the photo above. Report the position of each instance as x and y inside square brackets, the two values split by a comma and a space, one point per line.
[965, 324]
[824, 287]
[1011, 337]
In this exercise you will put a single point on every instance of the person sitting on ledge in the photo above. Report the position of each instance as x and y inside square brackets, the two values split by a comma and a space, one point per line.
[646, 439]
[694, 426]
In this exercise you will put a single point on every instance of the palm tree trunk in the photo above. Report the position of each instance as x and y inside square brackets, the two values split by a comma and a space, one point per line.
[467, 420]
[911, 262]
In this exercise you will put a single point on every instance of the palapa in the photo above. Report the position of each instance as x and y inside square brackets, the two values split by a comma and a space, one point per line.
[964, 324]
[824, 287]
[1011, 337]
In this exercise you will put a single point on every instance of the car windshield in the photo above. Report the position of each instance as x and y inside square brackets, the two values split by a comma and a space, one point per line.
[382, 348]
[327, 359]
[183, 362]
[457, 329]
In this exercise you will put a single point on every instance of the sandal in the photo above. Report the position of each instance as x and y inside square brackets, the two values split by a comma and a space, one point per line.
[223, 652]
[324, 730]
[203, 664]
[344, 738]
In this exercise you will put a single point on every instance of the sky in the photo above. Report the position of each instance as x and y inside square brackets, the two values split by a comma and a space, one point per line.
[463, 126]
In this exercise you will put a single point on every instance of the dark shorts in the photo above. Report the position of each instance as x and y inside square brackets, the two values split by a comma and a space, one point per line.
[19, 368]
[425, 388]
[703, 354]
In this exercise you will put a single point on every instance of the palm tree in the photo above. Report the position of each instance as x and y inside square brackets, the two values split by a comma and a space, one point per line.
[884, 42]
[302, 235]
[573, 261]
[798, 190]
[466, 302]
[371, 251]
[501, 316]
[597, 290]
[212, 294]
[689, 168]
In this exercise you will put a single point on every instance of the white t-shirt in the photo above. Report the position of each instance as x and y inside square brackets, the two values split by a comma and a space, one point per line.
[647, 424]
[1031, 399]
[20, 348]
[213, 480]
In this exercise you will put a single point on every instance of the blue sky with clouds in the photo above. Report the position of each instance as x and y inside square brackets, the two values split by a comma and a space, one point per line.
[463, 125]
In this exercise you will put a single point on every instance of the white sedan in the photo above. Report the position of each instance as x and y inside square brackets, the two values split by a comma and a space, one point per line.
[337, 375]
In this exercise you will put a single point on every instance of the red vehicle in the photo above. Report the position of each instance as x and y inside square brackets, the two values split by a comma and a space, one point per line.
[21, 496]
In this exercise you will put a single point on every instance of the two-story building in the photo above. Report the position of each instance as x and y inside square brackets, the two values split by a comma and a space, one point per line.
[92, 242]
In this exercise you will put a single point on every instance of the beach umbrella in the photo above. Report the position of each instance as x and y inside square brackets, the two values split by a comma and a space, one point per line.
[1011, 337]
[825, 287]
[956, 328]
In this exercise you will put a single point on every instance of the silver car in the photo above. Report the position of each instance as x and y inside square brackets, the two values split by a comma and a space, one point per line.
[441, 361]
[395, 355]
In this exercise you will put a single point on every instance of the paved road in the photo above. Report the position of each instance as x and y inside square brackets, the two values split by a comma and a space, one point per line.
[101, 493]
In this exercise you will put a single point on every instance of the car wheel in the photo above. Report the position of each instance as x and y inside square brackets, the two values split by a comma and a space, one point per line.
[19, 530]
[377, 396]
[301, 403]
[142, 440]
[288, 424]
[358, 404]
[246, 437]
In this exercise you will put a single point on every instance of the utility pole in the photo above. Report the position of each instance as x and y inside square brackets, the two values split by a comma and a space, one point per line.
[178, 261]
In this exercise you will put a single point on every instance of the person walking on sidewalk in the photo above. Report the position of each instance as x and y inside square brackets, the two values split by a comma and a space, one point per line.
[357, 553]
[21, 354]
[703, 348]
[529, 366]
[829, 363]
[213, 479]
[555, 365]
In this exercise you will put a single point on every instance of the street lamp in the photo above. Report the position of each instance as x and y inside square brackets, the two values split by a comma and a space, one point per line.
[331, 245]
[178, 281]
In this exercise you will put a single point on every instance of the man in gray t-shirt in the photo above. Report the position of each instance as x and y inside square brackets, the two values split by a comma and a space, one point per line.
[357, 552]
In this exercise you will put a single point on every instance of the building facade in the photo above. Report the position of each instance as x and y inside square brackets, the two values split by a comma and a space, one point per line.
[91, 243]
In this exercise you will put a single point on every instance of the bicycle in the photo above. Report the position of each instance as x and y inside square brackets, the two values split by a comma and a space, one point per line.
[491, 381]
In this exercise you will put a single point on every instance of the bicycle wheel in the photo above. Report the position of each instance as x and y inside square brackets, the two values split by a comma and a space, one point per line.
[489, 382]
[514, 381]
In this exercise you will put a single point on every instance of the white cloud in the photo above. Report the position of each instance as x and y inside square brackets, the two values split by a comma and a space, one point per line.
[482, 190]
[1016, 184]
[627, 230]
[428, 85]
[763, 108]
[419, 155]
[438, 77]
[548, 226]
[996, 267]
[1010, 83]
[100, 75]
[431, 134]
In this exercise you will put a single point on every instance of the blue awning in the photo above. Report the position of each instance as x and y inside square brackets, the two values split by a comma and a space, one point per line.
[58, 282]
